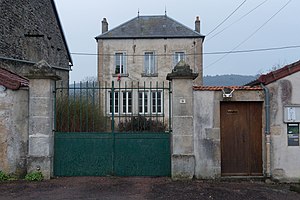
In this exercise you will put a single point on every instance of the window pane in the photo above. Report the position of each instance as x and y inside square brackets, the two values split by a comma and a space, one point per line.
[149, 63]
[140, 102]
[120, 60]
[116, 102]
[178, 57]
[129, 102]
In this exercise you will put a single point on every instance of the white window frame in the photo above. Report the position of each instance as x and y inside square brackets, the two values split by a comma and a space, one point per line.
[149, 102]
[120, 60]
[116, 102]
[149, 63]
[156, 102]
[127, 102]
[143, 101]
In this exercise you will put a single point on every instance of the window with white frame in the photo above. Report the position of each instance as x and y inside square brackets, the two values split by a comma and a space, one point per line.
[120, 100]
[120, 63]
[178, 56]
[156, 102]
[127, 102]
[149, 63]
[150, 102]
[143, 102]
[114, 102]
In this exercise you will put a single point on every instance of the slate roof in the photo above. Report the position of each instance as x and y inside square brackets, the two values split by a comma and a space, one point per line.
[12, 80]
[147, 27]
[277, 74]
[220, 88]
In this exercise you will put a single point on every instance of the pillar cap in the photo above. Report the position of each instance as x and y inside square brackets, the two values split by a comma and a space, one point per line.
[42, 70]
[182, 71]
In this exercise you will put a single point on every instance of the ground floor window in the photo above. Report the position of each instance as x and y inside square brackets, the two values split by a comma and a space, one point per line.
[147, 102]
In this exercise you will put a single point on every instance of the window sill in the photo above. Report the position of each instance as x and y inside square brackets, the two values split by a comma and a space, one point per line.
[121, 75]
[149, 75]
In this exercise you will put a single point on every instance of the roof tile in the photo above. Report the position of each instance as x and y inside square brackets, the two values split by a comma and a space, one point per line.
[220, 88]
[12, 80]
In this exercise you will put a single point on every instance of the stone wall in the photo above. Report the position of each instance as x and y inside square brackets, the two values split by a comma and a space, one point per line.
[13, 131]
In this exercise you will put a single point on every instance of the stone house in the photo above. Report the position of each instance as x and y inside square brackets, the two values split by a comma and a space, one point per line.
[143, 50]
[30, 32]
[283, 118]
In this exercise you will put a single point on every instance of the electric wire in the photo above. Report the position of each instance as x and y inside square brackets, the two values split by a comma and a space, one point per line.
[226, 18]
[204, 53]
[251, 35]
[245, 15]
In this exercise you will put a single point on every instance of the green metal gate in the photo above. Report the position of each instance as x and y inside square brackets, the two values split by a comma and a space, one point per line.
[104, 130]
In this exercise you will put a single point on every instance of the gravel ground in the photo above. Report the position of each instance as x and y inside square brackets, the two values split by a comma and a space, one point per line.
[142, 188]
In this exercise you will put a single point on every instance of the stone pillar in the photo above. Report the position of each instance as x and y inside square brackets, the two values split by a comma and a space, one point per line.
[41, 119]
[183, 158]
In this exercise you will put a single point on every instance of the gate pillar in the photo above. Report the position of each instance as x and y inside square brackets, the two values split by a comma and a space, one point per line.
[41, 119]
[182, 137]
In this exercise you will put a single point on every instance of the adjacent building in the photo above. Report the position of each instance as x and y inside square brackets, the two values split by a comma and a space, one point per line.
[30, 32]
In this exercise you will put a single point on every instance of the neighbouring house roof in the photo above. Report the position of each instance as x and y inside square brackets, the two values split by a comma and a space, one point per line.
[220, 88]
[277, 74]
[12, 80]
[147, 27]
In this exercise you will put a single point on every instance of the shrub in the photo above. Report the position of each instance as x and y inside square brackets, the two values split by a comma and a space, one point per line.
[3, 176]
[75, 113]
[34, 176]
[141, 123]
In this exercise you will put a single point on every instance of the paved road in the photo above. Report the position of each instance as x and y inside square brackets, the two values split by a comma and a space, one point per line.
[91, 188]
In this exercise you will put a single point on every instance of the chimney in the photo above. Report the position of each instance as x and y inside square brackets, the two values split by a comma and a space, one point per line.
[197, 24]
[104, 25]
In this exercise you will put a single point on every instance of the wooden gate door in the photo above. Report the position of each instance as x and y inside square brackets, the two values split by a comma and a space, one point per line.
[241, 138]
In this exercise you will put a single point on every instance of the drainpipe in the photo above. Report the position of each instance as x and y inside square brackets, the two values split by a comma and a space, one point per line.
[267, 131]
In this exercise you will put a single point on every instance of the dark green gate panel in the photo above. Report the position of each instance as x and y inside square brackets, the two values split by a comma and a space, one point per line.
[142, 154]
[83, 154]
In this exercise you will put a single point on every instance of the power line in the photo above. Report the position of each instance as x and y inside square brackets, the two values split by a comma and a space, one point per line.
[251, 35]
[236, 20]
[205, 53]
[226, 18]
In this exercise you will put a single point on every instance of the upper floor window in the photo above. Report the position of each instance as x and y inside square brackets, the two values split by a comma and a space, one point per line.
[120, 63]
[149, 66]
[179, 56]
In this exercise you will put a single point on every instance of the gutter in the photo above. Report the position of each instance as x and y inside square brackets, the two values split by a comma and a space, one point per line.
[267, 131]
[31, 62]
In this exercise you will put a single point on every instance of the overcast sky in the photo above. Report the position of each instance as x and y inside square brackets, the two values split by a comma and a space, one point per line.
[262, 28]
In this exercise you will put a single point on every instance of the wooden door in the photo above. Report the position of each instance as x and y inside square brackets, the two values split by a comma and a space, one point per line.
[241, 138]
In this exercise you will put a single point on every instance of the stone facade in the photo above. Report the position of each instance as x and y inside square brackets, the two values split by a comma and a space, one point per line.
[285, 159]
[31, 31]
[164, 48]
